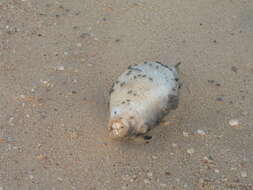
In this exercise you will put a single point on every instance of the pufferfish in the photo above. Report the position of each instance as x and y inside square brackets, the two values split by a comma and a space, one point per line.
[141, 97]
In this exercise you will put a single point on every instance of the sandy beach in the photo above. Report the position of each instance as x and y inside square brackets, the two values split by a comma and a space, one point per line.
[58, 60]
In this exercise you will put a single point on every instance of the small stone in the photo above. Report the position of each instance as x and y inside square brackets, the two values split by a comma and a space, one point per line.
[10, 121]
[59, 179]
[154, 157]
[201, 132]
[150, 175]
[146, 181]
[244, 174]
[185, 134]
[31, 176]
[41, 157]
[167, 173]
[216, 171]
[234, 122]
[190, 150]
[133, 178]
[65, 53]
[59, 68]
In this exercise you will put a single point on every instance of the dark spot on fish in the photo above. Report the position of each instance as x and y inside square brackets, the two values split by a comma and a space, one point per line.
[128, 73]
[130, 92]
[131, 117]
[116, 82]
[135, 69]
[139, 75]
[127, 100]
[123, 102]
[180, 85]
[73, 92]
[129, 67]
[150, 79]
[211, 81]
[217, 84]
[144, 76]
[174, 89]
[162, 65]
[176, 79]
[122, 84]
[135, 77]
[146, 137]
[135, 94]
[157, 67]
[115, 113]
[145, 62]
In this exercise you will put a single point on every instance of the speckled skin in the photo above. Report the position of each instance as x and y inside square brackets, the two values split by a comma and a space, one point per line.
[140, 97]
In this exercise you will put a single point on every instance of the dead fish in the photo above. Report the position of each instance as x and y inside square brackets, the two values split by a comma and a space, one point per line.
[141, 97]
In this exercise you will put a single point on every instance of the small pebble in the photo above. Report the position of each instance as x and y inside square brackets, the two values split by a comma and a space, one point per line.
[201, 132]
[190, 150]
[233, 122]
[59, 179]
[216, 171]
[41, 157]
[31, 176]
[146, 181]
[10, 121]
[59, 68]
[155, 157]
[185, 134]
[244, 174]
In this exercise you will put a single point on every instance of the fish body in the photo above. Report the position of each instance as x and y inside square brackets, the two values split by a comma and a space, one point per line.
[141, 97]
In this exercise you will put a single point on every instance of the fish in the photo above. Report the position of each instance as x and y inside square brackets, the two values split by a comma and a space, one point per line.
[141, 97]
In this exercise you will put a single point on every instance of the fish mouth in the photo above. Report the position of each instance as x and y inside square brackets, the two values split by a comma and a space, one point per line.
[118, 131]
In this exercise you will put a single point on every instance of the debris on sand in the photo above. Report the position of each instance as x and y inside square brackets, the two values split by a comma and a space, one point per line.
[234, 122]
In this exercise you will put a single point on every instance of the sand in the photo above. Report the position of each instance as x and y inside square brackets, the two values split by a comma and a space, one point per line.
[58, 60]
